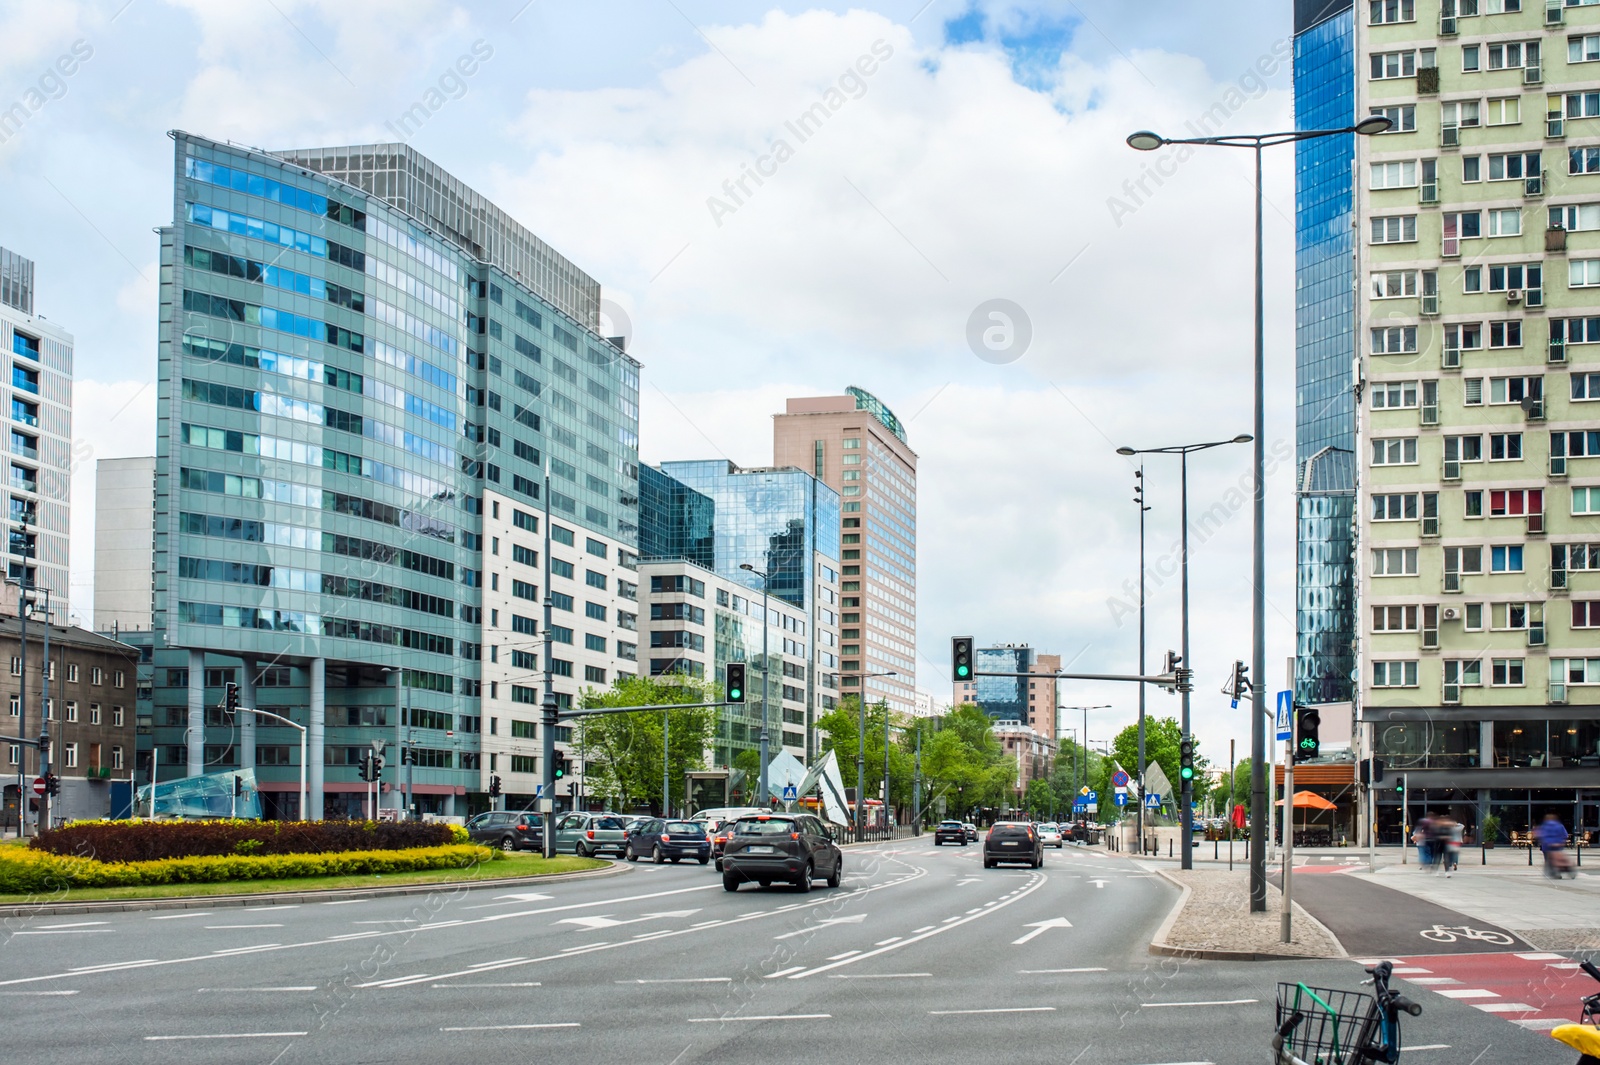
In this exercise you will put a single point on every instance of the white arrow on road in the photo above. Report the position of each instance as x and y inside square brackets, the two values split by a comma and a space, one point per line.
[1040, 926]
[855, 918]
[611, 922]
[1098, 883]
[524, 896]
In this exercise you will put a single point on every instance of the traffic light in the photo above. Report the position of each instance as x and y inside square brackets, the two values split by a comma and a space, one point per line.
[1371, 770]
[961, 658]
[364, 767]
[1241, 681]
[1307, 745]
[1186, 760]
[377, 765]
[1400, 784]
[238, 785]
[736, 671]
[561, 762]
[231, 697]
[52, 784]
[494, 786]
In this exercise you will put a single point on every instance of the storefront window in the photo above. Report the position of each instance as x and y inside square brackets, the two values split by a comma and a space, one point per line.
[1429, 745]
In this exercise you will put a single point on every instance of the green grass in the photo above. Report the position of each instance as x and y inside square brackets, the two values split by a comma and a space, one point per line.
[506, 865]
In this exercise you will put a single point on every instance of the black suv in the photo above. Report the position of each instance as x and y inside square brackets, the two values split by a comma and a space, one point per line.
[950, 832]
[1013, 841]
[508, 830]
[662, 841]
[768, 847]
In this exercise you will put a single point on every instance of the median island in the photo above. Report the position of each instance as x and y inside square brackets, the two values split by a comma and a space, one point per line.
[122, 860]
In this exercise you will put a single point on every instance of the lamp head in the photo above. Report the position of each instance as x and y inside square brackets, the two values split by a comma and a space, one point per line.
[1243, 438]
[1374, 124]
[748, 566]
[1126, 451]
[1145, 141]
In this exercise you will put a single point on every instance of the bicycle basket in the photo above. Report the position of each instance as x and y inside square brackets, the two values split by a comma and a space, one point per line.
[1332, 1021]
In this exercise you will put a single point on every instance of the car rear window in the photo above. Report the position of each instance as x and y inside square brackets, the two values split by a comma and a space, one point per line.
[771, 827]
[688, 828]
[610, 823]
[1011, 830]
[949, 824]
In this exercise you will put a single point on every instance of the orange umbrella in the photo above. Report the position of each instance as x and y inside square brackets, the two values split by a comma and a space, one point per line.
[1310, 800]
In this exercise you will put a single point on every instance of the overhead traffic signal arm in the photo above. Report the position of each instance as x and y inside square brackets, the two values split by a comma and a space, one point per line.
[1175, 678]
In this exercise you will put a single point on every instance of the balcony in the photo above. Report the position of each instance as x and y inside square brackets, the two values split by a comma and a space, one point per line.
[26, 413]
[25, 380]
[1449, 135]
[1558, 465]
[1452, 582]
[1536, 634]
[1447, 24]
[1430, 526]
[1535, 524]
[24, 482]
[1452, 695]
[1558, 579]
[1452, 470]
[1556, 351]
[1555, 126]
[1533, 409]
[1430, 305]
[1428, 192]
[1430, 639]
[1450, 358]
[1532, 76]
[1533, 298]
[1555, 239]
[1428, 414]
[1533, 186]
[1428, 80]
[1558, 693]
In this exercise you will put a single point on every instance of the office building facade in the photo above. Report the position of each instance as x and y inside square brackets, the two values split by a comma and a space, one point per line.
[856, 445]
[1479, 322]
[124, 521]
[358, 356]
[1325, 329]
[39, 453]
[1029, 700]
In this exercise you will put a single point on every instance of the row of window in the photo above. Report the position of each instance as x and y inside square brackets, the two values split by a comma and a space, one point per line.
[68, 756]
[1503, 673]
[70, 709]
[1503, 503]
[1403, 395]
[97, 675]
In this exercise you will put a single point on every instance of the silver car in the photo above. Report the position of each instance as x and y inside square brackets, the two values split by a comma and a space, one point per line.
[1050, 834]
[587, 835]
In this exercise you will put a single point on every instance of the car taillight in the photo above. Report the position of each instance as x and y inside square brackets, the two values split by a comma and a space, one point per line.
[522, 828]
[665, 838]
[590, 833]
[794, 835]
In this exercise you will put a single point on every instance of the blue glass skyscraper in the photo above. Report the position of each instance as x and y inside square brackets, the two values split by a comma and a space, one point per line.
[1325, 416]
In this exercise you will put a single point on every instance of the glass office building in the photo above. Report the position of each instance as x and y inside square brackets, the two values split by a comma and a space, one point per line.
[1325, 421]
[355, 349]
[675, 521]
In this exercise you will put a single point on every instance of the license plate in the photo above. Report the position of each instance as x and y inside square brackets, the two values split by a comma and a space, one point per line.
[1007, 843]
[760, 849]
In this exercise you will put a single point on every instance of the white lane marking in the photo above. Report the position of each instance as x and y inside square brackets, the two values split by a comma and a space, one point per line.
[611, 922]
[1038, 972]
[581, 946]
[452, 987]
[855, 918]
[515, 896]
[216, 927]
[107, 967]
[344, 902]
[1542, 1023]
[875, 976]
[929, 933]
[1098, 883]
[38, 994]
[501, 961]
[1201, 1062]
[785, 972]
[184, 916]
[223, 1035]
[1429, 981]
[1429, 1046]
[1464, 992]
[557, 1024]
[241, 990]
[245, 950]
[947, 920]
[1039, 927]
[62, 931]
[846, 954]
[924, 928]
[398, 980]
[1216, 1002]
[1401, 970]
[1506, 1007]
[75, 924]
[768, 1017]
[1542, 955]
[681, 980]
[997, 1009]
[886, 942]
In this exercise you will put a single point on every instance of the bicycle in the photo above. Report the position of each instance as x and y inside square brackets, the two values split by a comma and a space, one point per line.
[1323, 1026]
[1584, 1036]
[1450, 933]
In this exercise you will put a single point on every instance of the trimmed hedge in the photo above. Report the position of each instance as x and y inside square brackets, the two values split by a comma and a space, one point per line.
[29, 871]
[144, 841]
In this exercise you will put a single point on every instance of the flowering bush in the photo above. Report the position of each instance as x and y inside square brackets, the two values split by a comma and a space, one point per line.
[140, 841]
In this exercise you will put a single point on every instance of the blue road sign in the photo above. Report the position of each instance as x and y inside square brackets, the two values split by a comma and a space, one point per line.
[1153, 800]
[1091, 796]
[1285, 708]
[1119, 779]
[538, 791]
[790, 793]
[1121, 798]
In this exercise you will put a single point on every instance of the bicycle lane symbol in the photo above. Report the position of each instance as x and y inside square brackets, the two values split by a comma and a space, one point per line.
[1452, 933]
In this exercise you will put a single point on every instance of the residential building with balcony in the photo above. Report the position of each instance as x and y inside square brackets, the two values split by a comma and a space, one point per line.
[39, 451]
[1478, 253]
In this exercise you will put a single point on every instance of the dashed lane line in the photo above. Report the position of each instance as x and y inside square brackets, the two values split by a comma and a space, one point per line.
[223, 1035]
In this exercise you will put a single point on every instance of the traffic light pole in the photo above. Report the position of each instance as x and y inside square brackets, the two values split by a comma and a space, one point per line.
[1288, 820]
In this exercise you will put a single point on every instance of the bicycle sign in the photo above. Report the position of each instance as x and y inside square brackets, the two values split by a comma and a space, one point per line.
[1450, 933]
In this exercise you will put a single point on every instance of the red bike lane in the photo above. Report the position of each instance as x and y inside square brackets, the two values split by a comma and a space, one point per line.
[1535, 989]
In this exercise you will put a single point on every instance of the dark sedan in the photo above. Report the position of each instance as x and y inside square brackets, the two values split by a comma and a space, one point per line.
[950, 832]
[1013, 841]
[667, 841]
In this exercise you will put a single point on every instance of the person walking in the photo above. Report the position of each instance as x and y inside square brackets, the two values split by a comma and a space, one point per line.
[1422, 836]
[1552, 841]
[1453, 833]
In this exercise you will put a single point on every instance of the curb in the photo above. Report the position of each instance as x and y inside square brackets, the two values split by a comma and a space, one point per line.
[1159, 944]
[279, 898]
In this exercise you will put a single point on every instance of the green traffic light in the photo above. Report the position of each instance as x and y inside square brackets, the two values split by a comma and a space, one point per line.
[1187, 773]
[735, 695]
[962, 671]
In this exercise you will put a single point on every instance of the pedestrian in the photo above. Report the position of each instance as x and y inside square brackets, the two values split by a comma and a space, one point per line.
[1422, 836]
[1453, 834]
[1553, 841]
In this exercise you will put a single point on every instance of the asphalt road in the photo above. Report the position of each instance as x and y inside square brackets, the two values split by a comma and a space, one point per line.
[922, 955]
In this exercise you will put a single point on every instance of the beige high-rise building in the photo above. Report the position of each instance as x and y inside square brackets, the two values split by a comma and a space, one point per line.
[856, 445]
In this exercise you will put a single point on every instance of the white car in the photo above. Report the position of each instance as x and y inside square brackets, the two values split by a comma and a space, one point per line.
[1050, 835]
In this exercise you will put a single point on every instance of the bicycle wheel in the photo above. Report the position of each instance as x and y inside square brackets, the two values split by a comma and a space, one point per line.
[1438, 935]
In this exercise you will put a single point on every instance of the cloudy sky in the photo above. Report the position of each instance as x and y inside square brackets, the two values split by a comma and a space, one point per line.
[972, 152]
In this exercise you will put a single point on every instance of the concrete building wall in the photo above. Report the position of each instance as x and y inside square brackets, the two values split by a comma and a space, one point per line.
[124, 517]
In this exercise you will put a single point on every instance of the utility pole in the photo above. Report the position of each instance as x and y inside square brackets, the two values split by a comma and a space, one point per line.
[1288, 818]
[1138, 497]
[916, 787]
[44, 719]
[547, 796]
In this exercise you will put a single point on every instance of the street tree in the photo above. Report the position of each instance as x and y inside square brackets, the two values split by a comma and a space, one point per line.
[622, 752]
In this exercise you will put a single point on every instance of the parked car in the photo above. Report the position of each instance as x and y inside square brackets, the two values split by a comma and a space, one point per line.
[1050, 835]
[508, 830]
[1012, 841]
[950, 832]
[972, 831]
[587, 835]
[717, 821]
[662, 840]
[793, 847]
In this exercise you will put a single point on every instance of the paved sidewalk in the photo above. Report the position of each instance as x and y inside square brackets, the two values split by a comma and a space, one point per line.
[1550, 914]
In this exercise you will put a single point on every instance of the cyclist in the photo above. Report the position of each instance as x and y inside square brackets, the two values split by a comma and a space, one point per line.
[1552, 841]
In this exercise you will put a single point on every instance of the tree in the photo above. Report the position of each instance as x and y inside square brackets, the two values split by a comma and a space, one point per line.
[1162, 740]
[622, 752]
[1039, 798]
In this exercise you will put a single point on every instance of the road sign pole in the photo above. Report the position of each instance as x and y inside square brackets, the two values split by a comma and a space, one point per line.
[1288, 821]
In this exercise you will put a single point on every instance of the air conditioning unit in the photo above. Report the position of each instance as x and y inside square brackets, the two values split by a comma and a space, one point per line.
[1514, 295]
[1531, 76]
[1450, 613]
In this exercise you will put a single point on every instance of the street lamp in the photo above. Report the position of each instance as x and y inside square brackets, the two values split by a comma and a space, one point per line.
[1186, 787]
[861, 752]
[766, 668]
[1145, 141]
[1138, 498]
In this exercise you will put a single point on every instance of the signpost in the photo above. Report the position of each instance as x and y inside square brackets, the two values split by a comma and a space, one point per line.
[1121, 798]
[1119, 779]
[1153, 800]
[38, 785]
[1285, 714]
[790, 793]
